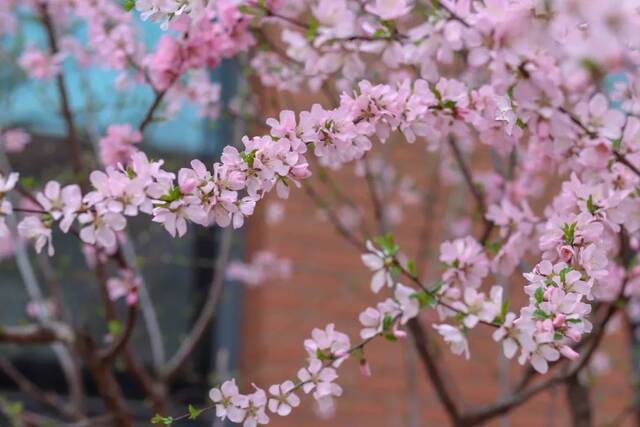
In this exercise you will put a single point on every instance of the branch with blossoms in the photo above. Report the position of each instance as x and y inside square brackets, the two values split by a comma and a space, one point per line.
[507, 78]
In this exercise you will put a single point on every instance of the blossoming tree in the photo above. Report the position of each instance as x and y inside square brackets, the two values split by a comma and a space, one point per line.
[549, 88]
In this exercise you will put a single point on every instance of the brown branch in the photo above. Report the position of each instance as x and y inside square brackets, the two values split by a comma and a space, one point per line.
[26, 386]
[107, 385]
[442, 387]
[207, 313]
[475, 191]
[484, 413]
[579, 402]
[110, 353]
[67, 114]
[37, 334]
[619, 156]
[148, 118]
[454, 15]
[622, 159]
[321, 204]
[153, 389]
[376, 201]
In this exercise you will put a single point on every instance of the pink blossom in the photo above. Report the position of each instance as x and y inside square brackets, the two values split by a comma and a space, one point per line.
[466, 262]
[283, 399]
[124, 286]
[40, 65]
[14, 140]
[389, 9]
[117, 146]
[32, 228]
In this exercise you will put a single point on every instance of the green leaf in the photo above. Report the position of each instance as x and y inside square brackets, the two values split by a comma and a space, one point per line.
[592, 206]
[27, 182]
[424, 298]
[493, 247]
[411, 267]
[128, 5]
[249, 157]
[449, 103]
[563, 273]
[520, 123]
[389, 336]
[251, 10]
[322, 355]
[387, 322]
[558, 336]
[312, 30]
[130, 172]
[387, 244]
[159, 419]
[617, 144]
[500, 318]
[539, 295]
[381, 34]
[569, 231]
[114, 327]
[436, 93]
[436, 288]
[194, 412]
[540, 314]
[14, 409]
[173, 195]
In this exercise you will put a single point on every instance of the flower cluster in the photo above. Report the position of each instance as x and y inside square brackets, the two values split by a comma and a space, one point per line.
[264, 266]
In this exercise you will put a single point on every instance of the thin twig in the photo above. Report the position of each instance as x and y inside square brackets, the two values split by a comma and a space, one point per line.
[26, 386]
[442, 388]
[475, 191]
[67, 115]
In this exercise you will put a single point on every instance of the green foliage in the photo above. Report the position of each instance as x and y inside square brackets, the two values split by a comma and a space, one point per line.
[249, 157]
[312, 30]
[569, 231]
[411, 268]
[387, 244]
[159, 419]
[426, 299]
[592, 206]
[128, 5]
[539, 295]
[194, 412]
[173, 195]
[114, 327]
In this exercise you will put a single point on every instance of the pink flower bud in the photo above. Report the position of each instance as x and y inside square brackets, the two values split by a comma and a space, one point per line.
[574, 334]
[341, 353]
[559, 321]
[365, 369]
[546, 325]
[399, 334]
[566, 253]
[568, 352]
[188, 185]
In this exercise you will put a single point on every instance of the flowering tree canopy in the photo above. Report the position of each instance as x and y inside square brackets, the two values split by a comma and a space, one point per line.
[550, 88]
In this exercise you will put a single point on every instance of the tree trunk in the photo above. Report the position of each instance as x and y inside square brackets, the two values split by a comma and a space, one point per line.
[579, 403]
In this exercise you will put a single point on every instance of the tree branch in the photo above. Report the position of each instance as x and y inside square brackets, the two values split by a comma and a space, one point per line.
[110, 353]
[481, 414]
[48, 333]
[67, 114]
[475, 191]
[442, 388]
[26, 386]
